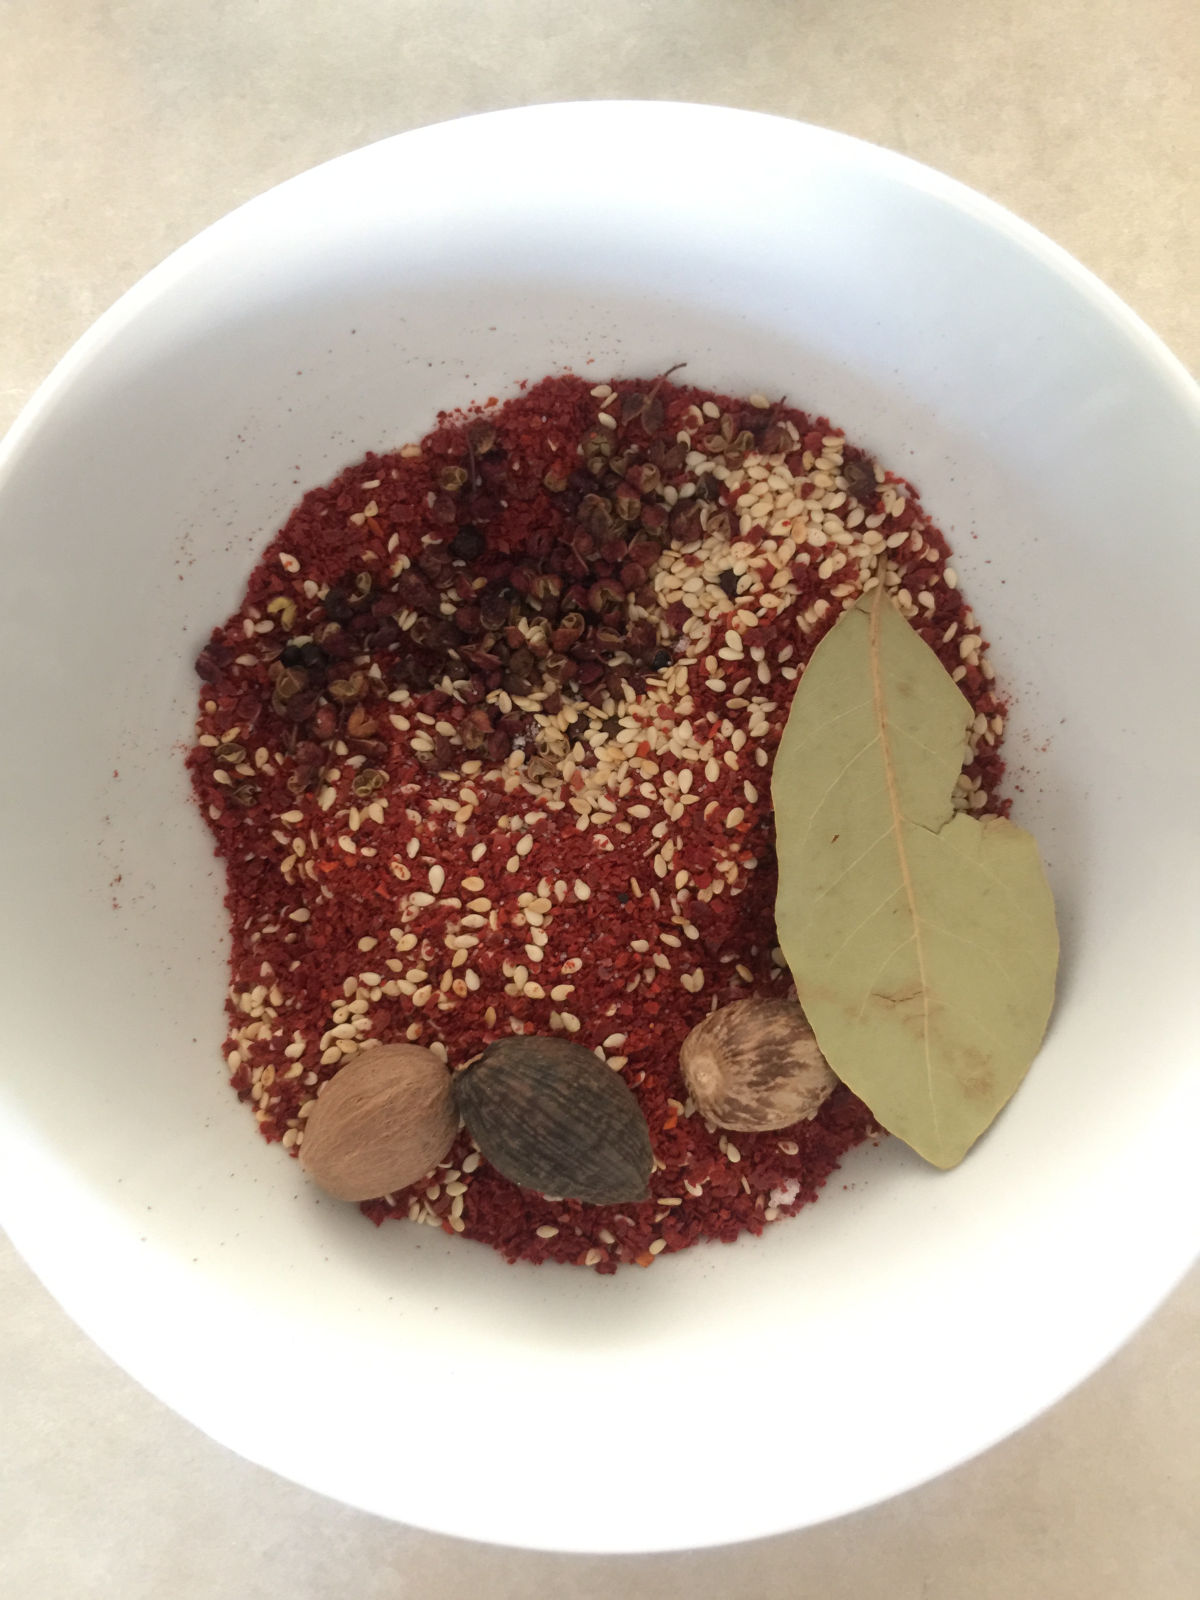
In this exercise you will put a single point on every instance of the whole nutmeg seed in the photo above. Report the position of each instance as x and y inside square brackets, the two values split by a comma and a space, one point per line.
[383, 1121]
[551, 1117]
[755, 1065]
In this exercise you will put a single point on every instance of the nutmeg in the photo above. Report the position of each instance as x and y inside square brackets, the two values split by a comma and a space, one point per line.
[755, 1065]
[380, 1123]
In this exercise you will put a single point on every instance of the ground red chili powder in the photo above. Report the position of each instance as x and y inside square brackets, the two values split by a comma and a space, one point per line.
[487, 750]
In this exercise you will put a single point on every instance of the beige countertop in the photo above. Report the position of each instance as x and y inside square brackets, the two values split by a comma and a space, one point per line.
[126, 127]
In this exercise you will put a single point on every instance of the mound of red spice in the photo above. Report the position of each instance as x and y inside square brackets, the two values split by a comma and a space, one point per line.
[487, 751]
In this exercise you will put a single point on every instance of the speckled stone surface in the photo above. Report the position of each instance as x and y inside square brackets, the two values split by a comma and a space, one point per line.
[126, 127]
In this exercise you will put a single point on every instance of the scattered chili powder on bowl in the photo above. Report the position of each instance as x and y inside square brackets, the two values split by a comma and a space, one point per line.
[487, 750]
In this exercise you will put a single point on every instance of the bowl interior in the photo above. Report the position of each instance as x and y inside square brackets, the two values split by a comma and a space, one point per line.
[911, 1317]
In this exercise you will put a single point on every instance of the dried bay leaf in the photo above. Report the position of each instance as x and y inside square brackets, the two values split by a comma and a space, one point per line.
[922, 941]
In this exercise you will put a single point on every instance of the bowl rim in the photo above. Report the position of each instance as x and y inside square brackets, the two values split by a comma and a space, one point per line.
[905, 169]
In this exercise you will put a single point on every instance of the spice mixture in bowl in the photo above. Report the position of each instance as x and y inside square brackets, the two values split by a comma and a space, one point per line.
[487, 750]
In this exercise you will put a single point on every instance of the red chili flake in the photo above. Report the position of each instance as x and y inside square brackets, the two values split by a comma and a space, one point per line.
[487, 750]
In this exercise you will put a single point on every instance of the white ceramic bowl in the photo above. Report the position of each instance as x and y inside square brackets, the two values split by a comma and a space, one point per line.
[909, 1319]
